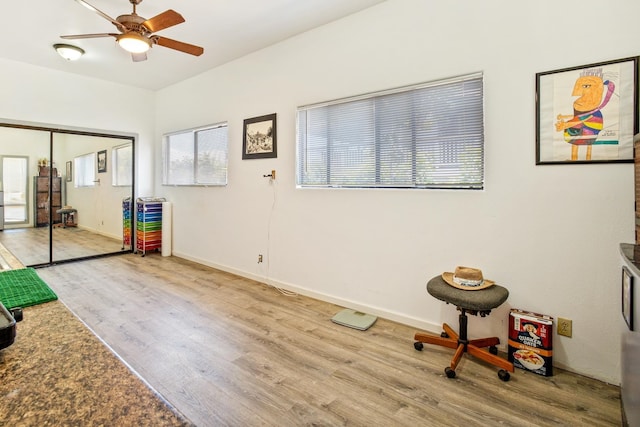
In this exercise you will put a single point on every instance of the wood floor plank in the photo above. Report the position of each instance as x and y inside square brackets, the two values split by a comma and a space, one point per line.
[230, 351]
[31, 245]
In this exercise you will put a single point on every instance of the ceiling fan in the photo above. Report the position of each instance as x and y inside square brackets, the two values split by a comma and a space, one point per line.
[137, 33]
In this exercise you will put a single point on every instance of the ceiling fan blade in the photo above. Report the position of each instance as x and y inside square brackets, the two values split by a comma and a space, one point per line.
[181, 46]
[101, 13]
[88, 36]
[139, 57]
[164, 20]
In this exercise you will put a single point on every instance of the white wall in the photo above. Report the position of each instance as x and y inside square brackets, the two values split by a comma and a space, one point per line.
[548, 233]
[40, 96]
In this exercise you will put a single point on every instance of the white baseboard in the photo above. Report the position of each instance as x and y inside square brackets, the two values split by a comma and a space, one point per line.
[376, 311]
[419, 324]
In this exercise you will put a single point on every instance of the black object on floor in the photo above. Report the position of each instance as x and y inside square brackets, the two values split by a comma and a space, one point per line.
[8, 320]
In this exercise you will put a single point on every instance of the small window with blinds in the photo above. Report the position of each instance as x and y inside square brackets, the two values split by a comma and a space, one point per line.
[196, 156]
[84, 168]
[424, 136]
[122, 161]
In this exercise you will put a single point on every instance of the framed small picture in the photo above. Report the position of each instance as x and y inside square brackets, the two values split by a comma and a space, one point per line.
[259, 140]
[69, 172]
[102, 161]
[627, 297]
[587, 114]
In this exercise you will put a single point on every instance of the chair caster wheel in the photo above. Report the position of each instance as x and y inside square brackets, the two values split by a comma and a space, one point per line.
[504, 375]
[16, 313]
[449, 372]
[418, 345]
[493, 349]
[444, 335]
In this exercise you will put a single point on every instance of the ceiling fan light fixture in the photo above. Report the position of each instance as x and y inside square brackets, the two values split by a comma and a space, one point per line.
[134, 42]
[68, 52]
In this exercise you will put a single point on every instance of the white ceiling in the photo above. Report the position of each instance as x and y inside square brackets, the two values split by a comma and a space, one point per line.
[226, 29]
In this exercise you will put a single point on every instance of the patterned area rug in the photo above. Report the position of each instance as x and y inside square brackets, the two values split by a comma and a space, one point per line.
[58, 372]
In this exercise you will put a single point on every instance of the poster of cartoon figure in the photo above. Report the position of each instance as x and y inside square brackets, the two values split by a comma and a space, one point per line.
[587, 114]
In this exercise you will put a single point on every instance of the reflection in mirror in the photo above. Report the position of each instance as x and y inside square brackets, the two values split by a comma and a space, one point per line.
[27, 242]
[76, 185]
[93, 188]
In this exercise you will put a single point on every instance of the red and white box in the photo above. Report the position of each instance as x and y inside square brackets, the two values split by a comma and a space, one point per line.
[530, 341]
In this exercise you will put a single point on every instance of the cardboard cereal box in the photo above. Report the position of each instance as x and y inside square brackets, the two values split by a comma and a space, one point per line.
[530, 342]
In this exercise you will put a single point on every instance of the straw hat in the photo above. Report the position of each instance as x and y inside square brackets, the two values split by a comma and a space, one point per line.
[467, 278]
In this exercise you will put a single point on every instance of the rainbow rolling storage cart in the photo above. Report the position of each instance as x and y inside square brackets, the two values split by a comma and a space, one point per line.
[126, 222]
[149, 224]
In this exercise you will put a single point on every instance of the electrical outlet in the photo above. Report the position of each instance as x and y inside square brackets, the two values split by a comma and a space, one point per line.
[565, 327]
[259, 258]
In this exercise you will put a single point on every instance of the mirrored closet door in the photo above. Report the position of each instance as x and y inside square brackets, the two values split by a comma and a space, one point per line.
[64, 194]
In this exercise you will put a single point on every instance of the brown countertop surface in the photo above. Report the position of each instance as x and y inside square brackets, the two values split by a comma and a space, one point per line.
[57, 372]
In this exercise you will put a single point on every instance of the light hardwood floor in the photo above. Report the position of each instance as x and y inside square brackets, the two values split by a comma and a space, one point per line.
[229, 351]
[31, 245]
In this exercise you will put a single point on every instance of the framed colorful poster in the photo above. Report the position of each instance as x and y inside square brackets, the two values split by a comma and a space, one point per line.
[587, 114]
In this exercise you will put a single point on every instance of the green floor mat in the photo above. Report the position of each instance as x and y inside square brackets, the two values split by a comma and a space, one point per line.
[354, 319]
[23, 288]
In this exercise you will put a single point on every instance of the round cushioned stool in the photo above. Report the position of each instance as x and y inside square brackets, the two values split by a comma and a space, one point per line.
[479, 302]
[68, 217]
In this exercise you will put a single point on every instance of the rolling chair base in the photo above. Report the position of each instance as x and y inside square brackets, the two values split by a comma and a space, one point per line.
[450, 339]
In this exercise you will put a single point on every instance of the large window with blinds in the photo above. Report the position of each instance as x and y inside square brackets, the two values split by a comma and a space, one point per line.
[424, 136]
[196, 156]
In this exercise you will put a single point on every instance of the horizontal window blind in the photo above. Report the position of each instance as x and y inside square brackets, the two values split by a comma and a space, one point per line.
[84, 170]
[122, 159]
[211, 152]
[424, 136]
[197, 156]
